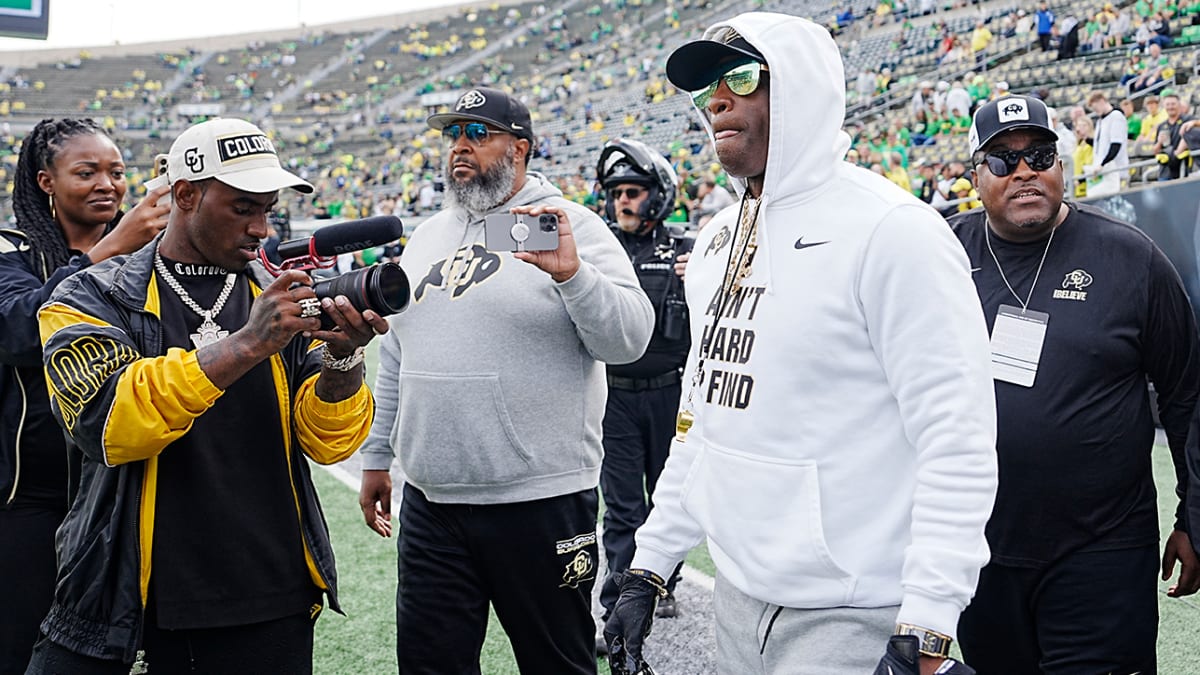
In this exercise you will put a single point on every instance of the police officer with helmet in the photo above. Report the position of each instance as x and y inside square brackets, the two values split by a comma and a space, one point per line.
[643, 396]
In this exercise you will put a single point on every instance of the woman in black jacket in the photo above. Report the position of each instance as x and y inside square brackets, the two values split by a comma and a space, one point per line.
[67, 195]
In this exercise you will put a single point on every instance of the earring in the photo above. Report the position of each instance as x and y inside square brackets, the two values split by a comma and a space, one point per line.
[53, 211]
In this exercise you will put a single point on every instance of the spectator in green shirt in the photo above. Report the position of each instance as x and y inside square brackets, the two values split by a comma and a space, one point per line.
[1133, 120]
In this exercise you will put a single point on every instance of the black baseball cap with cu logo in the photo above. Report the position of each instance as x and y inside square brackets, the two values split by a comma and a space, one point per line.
[490, 106]
[1008, 113]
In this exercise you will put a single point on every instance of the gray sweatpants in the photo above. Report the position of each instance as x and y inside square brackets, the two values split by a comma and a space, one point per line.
[757, 637]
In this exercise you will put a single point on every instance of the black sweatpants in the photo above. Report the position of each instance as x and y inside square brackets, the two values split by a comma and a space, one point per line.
[29, 569]
[535, 562]
[1092, 612]
[278, 646]
[638, 428]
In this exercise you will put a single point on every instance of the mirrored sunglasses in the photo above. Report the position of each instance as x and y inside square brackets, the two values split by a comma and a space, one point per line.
[1003, 162]
[630, 192]
[741, 80]
[476, 132]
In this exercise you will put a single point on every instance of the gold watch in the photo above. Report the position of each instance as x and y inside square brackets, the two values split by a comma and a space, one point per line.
[932, 643]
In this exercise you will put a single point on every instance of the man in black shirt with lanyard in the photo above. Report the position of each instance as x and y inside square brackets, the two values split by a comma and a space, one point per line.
[1083, 309]
[643, 396]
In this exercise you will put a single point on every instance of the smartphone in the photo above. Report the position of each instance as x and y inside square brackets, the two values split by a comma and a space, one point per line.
[160, 179]
[519, 232]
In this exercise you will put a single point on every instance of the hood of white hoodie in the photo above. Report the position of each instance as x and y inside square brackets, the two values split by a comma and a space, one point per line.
[808, 102]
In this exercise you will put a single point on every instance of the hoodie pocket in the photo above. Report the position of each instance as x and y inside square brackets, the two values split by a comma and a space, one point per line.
[764, 513]
[456, 430]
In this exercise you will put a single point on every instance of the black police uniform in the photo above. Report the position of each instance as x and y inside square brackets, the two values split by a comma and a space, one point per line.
[643, 398]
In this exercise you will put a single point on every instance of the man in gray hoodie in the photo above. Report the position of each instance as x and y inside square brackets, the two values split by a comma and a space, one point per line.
[491, 391]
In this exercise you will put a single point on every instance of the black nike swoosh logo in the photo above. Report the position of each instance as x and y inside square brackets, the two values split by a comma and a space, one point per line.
[800, 243]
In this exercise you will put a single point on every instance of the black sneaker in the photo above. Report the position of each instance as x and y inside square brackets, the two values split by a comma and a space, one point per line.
[668, 608]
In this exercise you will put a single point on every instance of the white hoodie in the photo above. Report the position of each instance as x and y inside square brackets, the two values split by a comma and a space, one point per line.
[843, 452]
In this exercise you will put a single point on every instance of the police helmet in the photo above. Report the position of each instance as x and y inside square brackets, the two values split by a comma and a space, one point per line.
[625, 160]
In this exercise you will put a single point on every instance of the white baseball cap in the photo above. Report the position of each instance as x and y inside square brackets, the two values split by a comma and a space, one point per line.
[233, 151]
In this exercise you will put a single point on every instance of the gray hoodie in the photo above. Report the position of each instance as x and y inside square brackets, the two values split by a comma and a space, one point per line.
[491, 384]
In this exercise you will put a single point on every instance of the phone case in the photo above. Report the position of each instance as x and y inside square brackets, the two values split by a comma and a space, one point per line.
[516, 232]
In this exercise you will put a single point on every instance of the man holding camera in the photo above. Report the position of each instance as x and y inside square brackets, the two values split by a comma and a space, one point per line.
[491, 392]
[193, 384]
[643, 396]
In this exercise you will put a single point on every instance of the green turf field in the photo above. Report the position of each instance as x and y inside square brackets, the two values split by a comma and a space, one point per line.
[364, 640]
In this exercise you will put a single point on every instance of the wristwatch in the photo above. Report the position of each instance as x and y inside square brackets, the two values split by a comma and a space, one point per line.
[342, 365]
[932, 643]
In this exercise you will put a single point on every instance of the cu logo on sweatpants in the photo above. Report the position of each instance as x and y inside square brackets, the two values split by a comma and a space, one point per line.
[581, 568]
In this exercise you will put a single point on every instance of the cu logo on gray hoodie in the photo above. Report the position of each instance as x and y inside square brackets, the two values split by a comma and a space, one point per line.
[470, 265]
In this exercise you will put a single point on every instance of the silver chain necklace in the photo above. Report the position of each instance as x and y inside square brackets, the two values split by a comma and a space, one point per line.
[209, 331]
[987, 231]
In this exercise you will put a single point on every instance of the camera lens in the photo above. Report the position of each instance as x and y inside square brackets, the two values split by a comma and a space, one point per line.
[381, 288]
[549, 223]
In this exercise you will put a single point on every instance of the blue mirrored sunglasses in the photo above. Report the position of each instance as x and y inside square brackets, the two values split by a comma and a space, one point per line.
[476, 132]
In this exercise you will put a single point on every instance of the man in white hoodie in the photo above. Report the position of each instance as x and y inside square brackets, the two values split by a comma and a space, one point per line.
[836, 444]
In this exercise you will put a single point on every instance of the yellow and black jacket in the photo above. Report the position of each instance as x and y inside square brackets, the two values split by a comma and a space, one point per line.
[123, 396]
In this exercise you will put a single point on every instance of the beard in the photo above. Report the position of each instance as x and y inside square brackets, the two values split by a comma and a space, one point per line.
[487, 189]
[630, 222]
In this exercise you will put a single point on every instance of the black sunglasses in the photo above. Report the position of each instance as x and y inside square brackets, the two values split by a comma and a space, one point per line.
[630, 192]
[1003, 162]
[476, 132]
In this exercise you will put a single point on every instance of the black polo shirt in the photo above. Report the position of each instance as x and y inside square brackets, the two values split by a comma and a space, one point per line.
[1074, 449]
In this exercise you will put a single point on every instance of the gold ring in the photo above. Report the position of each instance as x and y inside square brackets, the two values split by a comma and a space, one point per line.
[309, 307]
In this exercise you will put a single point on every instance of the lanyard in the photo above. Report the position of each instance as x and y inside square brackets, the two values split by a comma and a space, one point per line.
[987, 233]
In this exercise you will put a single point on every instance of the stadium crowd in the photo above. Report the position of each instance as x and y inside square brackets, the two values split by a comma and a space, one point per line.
[369, 157]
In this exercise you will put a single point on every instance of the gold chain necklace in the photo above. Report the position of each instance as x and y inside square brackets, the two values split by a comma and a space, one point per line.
[737, 269]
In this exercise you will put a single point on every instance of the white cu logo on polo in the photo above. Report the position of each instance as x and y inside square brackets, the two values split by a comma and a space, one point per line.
[1077, 279]
[1073, 285]
[1012, 110]
[471, 99]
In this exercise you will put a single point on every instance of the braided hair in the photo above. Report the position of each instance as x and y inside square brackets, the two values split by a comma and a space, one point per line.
[30, 204]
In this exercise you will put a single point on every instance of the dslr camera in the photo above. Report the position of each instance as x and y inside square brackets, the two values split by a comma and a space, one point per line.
[381, 288]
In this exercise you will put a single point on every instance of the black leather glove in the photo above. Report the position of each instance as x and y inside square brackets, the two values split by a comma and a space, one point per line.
[903, 658]
[629, 622]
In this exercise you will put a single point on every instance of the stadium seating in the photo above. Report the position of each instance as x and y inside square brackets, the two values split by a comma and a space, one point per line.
[348, 107]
